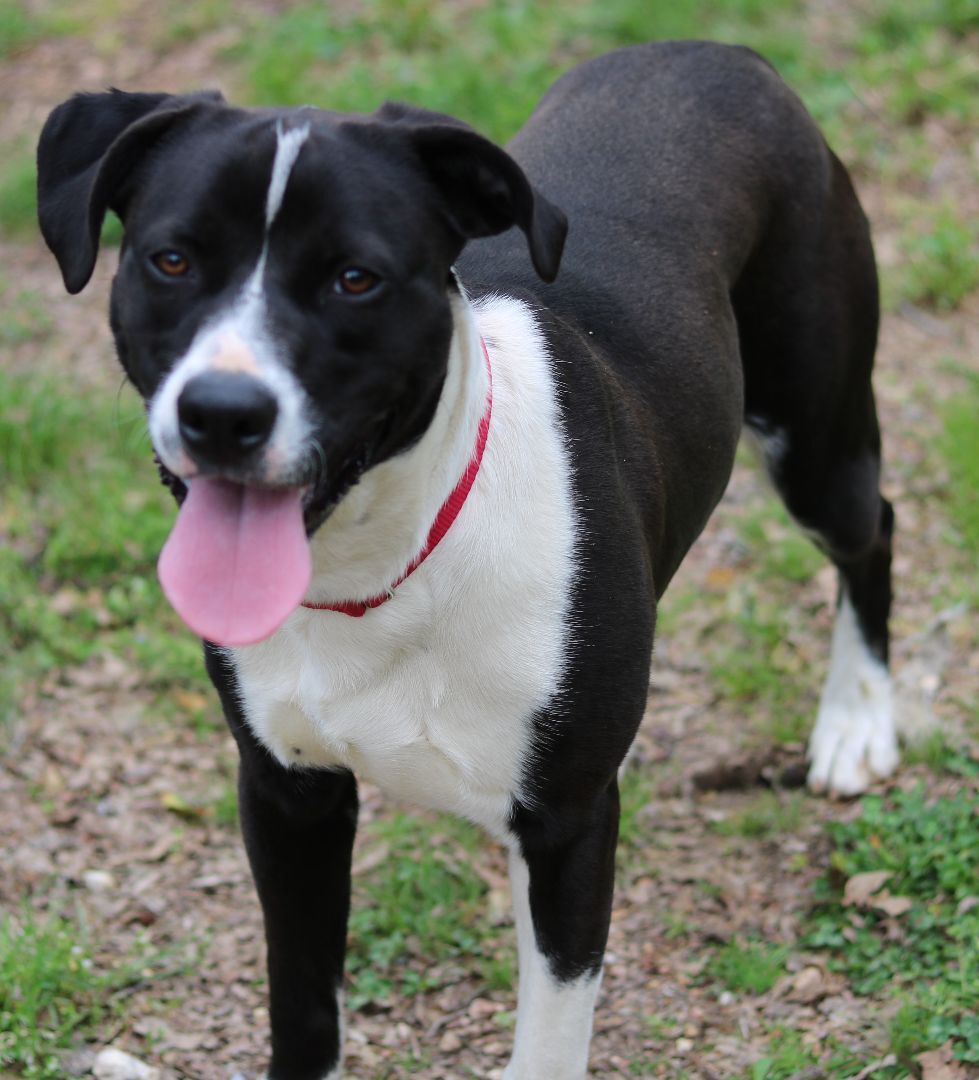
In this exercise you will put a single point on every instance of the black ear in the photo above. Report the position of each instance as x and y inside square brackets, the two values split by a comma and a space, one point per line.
[88, 148]
[485, 190]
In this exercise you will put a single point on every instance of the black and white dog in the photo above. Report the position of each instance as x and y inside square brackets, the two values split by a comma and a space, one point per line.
[429, 503]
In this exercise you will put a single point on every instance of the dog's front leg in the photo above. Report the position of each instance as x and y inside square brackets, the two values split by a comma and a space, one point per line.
[299, 830]
[562, 878]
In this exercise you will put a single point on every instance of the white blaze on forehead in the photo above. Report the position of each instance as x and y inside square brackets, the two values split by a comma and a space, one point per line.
[286, 152]
[288, 145]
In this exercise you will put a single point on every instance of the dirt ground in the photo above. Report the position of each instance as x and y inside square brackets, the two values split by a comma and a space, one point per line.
[86, 783]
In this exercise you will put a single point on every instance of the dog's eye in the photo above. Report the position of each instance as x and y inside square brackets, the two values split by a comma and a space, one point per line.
[171, 263]
[355, 281]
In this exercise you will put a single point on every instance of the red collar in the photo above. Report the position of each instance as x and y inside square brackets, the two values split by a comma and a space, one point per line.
[443, 520]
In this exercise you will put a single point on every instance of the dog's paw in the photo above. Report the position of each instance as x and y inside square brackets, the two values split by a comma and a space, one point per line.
[854, 742]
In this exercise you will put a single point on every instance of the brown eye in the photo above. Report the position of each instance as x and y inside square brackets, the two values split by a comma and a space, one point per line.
[171, 263]
[355, 282]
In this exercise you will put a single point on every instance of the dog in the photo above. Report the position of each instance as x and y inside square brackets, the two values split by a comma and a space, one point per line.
[432, 488]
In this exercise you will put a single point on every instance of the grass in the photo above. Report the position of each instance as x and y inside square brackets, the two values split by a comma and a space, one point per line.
[941, 258]
[456, 58]
[781, 550]
[770, 813]
[635, 795]
[753, 661]
[26, 318]
[941, 755]
[751, 646]
[747, 967]
[52, 992]
[82, 522]
[18, 197]
[788, 1056]
[960, 448]
[18, 28]
[417, 910]
[925, 958]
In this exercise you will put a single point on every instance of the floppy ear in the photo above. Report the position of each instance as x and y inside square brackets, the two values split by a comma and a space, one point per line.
[88, 148]
[485, 190]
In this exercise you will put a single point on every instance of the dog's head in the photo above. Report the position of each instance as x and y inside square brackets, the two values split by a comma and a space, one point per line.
[282, 298]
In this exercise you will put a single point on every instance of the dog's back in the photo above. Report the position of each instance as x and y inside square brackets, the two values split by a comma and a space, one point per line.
[713, 235]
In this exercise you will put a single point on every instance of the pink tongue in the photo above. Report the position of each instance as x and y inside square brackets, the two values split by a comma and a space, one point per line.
[237, 563]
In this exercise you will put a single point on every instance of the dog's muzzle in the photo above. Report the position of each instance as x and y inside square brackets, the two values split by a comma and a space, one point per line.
[225, 419]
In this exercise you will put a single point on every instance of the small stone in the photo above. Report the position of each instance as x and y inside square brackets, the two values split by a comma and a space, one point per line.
[684, 1046]
[114, 1064]
[808, 986]
[450, 1043]
[78, 1062]
[483, 1007]
[98, 881]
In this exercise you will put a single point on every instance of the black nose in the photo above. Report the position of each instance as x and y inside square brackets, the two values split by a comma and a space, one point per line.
[224, 417]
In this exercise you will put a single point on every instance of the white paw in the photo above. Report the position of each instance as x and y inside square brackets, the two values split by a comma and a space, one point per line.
[854, 742]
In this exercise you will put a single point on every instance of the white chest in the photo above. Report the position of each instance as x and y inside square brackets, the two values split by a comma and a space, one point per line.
[420, 714]
[432, 696]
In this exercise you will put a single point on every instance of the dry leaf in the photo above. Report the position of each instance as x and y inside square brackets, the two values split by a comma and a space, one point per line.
[721, 578]
[891, 905]
[861, 887]
[940, 1064]
[191, 700]
[808, 986]
[177, 804]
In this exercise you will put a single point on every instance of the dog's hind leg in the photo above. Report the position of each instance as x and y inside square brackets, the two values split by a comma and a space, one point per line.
[562, 882]
[854, 740]
[807, 317]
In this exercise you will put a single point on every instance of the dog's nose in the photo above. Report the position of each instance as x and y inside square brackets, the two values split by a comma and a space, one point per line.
[225, 417]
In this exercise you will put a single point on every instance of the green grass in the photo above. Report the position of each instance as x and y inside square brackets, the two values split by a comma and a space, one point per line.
[747, 967]
[788, 1057]
[770, 813]
[899, 21]
[185, 23]
[940, 265]
[635, 795]
[455, 58]
[960, 447]
[18, 27]
[18, 196]
[753, 662]
[780, 548]
[82, 522]
[52, 993]
[420, 908]
[941, 755]
[926, 957]
[25, 317]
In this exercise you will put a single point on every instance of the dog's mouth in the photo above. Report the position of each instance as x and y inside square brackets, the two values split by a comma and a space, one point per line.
[237, 562]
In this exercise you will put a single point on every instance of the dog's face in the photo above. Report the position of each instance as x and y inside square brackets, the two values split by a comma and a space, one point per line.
[282, 304]
[282, 299]
[291, 344]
